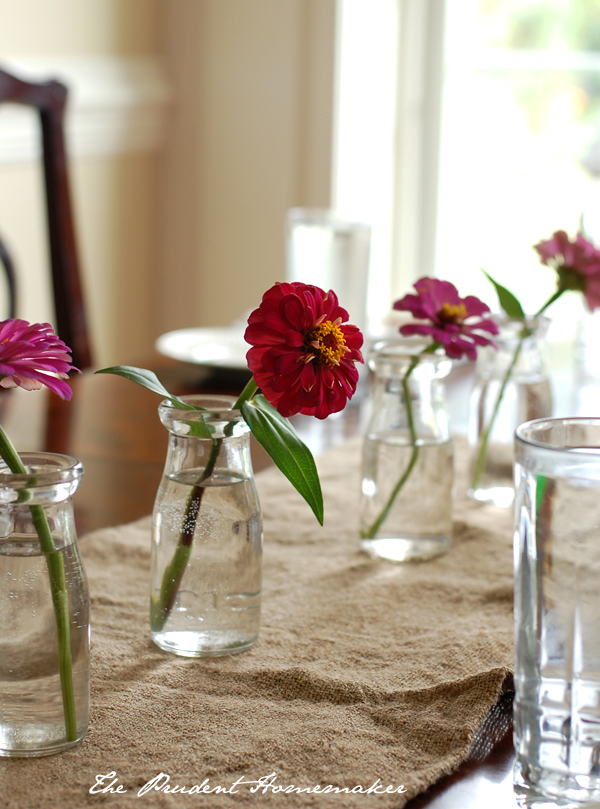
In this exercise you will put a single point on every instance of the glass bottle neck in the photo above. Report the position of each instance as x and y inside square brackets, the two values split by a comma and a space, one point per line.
[419, 398]
[524, 358]
[201, 459]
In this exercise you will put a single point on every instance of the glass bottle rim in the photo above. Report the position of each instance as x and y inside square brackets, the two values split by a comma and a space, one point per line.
[538, 324]
[214, 408]
[534, 439]
[389, 358]
[406, 348]
[45, 469]
[533, 432]
[223, 422]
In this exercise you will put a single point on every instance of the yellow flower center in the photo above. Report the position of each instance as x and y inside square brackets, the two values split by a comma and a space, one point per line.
[453, 313]
[325, 343]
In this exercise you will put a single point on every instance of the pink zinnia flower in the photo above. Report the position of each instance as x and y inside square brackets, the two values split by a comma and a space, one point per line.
[304, 353]
[31, 355]
[576, 262]
[439, 302]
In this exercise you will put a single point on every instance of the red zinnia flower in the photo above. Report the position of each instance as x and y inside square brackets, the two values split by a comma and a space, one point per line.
[576, 262]
[31, 355]
[303, 351]
[439, 302]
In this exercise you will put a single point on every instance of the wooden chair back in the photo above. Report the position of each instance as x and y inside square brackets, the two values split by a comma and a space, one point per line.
[71, 322]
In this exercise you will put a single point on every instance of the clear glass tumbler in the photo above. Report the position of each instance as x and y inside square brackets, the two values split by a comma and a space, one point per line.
[44, 610]
[206, 574]
[557, 610]
[331, 252]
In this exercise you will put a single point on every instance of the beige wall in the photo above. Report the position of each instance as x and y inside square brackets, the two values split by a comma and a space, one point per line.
[114, 196]
[40, 27]
[251, 137]
[192, 235]
[116, 205]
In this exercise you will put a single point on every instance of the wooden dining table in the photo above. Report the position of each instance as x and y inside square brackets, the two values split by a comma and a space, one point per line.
[111, 425]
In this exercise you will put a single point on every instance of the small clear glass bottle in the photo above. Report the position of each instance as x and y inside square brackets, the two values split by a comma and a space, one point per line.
[406, 505]
[44, 681]
[526, 396]
[206, 574]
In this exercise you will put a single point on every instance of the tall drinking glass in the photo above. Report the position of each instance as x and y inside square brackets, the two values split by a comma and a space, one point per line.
[557, 611]
[331, 252]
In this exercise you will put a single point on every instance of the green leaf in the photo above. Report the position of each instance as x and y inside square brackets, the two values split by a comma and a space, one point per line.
[199, 429]
[507, 300]
[149, 380]
[289, 453]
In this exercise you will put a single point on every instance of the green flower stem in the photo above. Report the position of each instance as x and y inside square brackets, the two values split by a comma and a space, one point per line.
[483, 443]
[372, 530]
[551, 300]
[160, 608]
[60, 600]
[246, 394]
[58, 589]
[10, 455]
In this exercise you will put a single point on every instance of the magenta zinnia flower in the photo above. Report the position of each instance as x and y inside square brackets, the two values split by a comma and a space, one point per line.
[31, 355]
[577, 263]
[303, 352]
[439, 302]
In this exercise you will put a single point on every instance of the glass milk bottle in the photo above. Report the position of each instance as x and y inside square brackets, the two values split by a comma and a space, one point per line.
[206, 568]
[407, 467]
[511, 387]
[44, 610]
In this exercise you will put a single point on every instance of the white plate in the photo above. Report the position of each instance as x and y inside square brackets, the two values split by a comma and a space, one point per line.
[225, 348]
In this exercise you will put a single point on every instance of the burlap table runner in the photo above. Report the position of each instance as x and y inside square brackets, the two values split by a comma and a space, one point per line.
[363, 671]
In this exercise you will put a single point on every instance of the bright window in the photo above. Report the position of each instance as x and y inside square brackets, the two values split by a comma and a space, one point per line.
[467, 131]
[520, 141]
